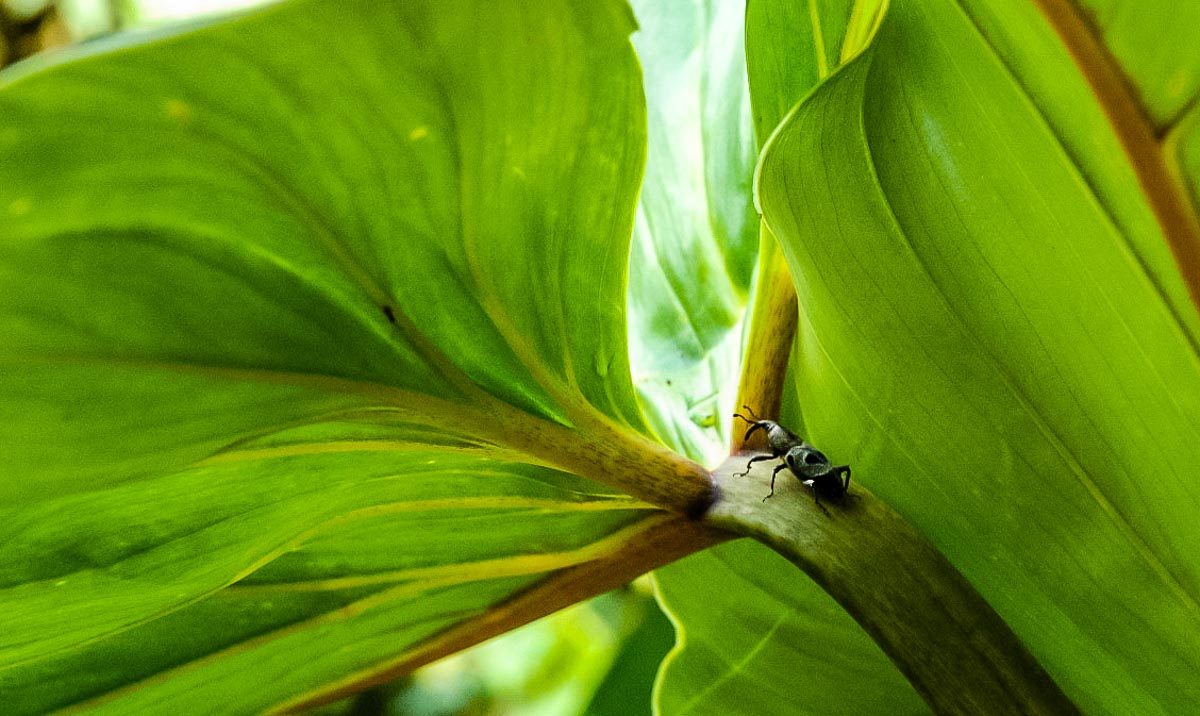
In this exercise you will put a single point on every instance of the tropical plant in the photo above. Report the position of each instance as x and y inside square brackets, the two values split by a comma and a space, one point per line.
[338, 337]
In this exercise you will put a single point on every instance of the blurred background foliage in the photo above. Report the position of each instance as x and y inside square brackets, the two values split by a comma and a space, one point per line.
[31, 26]
[598, 658]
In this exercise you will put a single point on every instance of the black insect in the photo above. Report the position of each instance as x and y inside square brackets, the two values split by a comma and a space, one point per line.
[807, 463]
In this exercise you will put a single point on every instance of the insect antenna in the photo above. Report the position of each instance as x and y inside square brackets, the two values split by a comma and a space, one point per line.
[752, 415]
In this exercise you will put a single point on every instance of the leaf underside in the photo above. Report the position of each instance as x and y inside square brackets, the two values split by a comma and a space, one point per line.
[297, 311]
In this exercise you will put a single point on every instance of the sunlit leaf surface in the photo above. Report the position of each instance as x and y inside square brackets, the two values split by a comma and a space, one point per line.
[978, 334]
[294, 311]
[696, 231]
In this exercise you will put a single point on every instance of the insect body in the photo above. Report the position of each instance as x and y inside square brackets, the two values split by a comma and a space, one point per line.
[807, 463]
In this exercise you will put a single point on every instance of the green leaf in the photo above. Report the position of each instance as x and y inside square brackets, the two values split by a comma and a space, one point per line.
[296, 230]
[1182, 150]
[978, 339]
[306, 319]
[1105, 136]
[790, 47]
[956, 473]
[774, 643]
[275, 560]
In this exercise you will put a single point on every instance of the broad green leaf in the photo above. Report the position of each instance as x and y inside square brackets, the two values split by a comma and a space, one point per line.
[773, 644]
[979, 339]
[1034, 52]
[696, 229]
[193, 579]
[299, 203]
[1043, 71]
[305, 320]
[790, 47]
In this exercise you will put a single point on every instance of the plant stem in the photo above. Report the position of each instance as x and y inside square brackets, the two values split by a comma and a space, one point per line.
[950, 644]
[600, 450]
[772, 328]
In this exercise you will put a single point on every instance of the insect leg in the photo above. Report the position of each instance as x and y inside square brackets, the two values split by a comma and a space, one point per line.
[845, 470]
[773, 474]
[816, 495]
[756, 458]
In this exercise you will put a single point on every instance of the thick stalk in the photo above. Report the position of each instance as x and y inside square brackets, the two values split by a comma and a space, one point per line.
[602, 451]
[772, 327]
[951, 645]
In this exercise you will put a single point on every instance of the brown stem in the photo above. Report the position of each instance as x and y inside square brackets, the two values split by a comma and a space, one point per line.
[602, 451]
[950, 644]
[772, 329]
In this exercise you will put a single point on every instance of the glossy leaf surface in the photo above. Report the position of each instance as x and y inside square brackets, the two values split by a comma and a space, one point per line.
[983, 330]
[296, 313]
